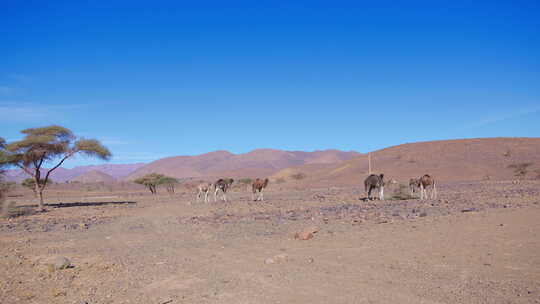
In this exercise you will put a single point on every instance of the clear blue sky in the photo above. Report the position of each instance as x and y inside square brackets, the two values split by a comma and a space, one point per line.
[162, 78]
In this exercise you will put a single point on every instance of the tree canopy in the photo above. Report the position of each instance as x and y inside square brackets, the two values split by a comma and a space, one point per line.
[47, 145]
[152, 180]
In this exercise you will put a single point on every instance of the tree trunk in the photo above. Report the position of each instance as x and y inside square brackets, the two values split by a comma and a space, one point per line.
[41, 205]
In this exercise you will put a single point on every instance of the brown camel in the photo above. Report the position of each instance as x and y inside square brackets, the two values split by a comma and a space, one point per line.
[259, 185]
[223, 185]
[204, 188]
[424, 182]
[375, 182]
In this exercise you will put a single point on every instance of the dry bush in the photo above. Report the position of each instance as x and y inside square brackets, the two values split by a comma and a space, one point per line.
[298, 176]
[245, 181]
[10, 210]
[401, 193]
[520, 169]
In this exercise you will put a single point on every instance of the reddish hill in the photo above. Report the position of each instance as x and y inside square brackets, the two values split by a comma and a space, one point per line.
[94, 176]
[261, 162]
[449, 160]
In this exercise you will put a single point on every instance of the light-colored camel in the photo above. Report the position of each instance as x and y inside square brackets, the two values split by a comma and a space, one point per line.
[204, 188]
[414, 183]
[424, 182]
[223, 185]
[375, 182]
[259, 185]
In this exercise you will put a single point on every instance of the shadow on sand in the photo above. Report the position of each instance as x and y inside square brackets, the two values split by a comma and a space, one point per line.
[80, 204]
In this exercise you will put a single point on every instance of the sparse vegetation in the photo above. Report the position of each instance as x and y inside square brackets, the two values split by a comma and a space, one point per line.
[508, 153]
[401, 193]
[520, 169]
[30, 183]
[298, 176]
[51, 144]
[245, 181]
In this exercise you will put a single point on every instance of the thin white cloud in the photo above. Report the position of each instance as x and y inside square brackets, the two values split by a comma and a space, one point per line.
[30, 112]
[137, 156]
[501, 117]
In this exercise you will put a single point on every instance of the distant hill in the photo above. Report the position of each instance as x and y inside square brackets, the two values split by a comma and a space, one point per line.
[61, 175]
[94, 176]
[260, 162]
[447, 160]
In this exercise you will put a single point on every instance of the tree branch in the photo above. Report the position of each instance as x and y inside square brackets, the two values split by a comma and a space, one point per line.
[70, 154]
[25, 170]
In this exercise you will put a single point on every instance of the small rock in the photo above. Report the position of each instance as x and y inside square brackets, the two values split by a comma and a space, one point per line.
[423, 214]
[310, 260]
[281, 257]
[307, 233]
[277, 259]
[59, 263]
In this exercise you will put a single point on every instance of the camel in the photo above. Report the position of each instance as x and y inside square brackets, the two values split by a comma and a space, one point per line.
[424, 182]
[258, 184]
[204, 188]
[413, 184]
[223, 185]
[375, 182]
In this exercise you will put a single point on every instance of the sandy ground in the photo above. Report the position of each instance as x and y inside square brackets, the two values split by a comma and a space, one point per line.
[477, 243]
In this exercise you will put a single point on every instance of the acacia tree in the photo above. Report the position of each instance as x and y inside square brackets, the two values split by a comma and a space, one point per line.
[169, 183]
[150, 180]
[50, 145]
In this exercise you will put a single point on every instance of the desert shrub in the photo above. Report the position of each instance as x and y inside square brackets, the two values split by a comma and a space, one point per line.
[401, 193]
[298, 176]
[245, 181]
[10, 210]
[520, 169]
[508, 153]
[30, 183]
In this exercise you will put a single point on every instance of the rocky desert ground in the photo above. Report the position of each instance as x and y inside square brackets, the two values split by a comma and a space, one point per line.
[478, 242]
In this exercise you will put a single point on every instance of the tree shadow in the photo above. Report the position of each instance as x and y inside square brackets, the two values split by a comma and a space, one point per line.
[81, 204]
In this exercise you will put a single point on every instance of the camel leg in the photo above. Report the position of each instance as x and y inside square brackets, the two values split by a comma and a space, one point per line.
[206, 196]
[262, 194]
[381, 194]
[421, 191]
[253, 195]
[198, 195]
[224, 196]
[215, 194]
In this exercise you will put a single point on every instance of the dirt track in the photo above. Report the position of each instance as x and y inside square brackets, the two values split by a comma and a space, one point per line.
[477, 243]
